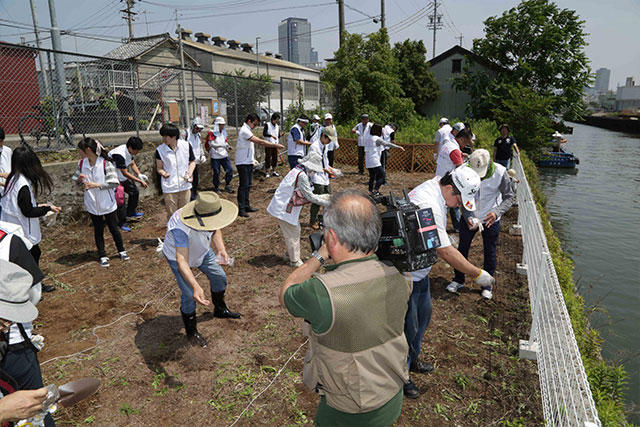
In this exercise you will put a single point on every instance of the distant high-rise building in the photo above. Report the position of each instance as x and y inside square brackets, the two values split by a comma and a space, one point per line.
[314, 56]
[294, 40]
[603, 76]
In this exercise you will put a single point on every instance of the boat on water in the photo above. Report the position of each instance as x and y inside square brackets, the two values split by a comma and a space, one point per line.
[557, 157]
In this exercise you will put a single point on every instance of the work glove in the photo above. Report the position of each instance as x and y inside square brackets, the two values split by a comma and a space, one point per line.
[484, 279]
[476, 223]
[143, 177]
[358, 132]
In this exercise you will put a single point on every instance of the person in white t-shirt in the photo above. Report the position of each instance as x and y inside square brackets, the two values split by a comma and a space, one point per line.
[333, 145]
[218, 146]
[441, 135]
[271, 133]
[193, 138]
[373, 149]
[245, 160]
[191, 232]
[455, 189]
[362, 130]
[296, 141]
[320, 180]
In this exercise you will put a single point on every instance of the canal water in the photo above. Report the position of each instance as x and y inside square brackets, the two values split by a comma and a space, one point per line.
[596, 213]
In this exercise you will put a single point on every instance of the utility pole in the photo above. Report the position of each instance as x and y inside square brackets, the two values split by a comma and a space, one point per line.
[58, 58]
[129, 16]
[460, 37]
[341, 21]
[382, 14]
[43, 71]
[184, 83]
[257, 58]
[435, 23]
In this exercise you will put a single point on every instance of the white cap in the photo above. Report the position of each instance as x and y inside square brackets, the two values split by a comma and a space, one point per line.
[316, 117]
[328, 116]
[467, 181]
[444, 120]
[557, 134]
[197, 122]
[219, 121]
[458, 126]
[479, 161]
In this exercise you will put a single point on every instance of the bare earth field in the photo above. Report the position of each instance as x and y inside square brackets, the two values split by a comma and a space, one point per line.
[151, 376]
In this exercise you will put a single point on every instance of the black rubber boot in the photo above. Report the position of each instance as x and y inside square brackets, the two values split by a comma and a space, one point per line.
[193, 335]
[220, 308]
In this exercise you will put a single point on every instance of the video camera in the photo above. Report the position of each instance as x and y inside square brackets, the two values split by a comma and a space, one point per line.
[409, 236]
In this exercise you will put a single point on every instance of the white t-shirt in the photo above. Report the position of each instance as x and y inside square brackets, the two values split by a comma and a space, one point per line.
[429, 195]
[245, 150]
[199, 241]
[5, 161]
[364, 132]
[320, 178]
[442, 134]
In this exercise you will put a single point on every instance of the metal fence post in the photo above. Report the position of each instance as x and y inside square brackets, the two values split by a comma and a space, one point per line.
[281, 97]
[235, 100]
[54, 106]
[193, 96]
[134, 82]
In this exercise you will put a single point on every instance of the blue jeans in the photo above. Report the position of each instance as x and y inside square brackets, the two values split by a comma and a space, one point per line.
[211, 269]
[215, 169]
[505, 163]
[293, 161]
[418, 317]
[245, 173]
[455, 218]
[489, 243]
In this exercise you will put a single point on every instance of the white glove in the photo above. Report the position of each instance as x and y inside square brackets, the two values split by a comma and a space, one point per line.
[485, 279]
[358, 132]
[203, 158]
[143, 177]
[476, 223]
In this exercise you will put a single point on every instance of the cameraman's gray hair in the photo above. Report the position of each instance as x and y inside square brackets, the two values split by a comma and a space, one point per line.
[355, 220]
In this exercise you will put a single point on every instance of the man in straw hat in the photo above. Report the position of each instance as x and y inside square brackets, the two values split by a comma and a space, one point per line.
[16, 307]
[191, 231]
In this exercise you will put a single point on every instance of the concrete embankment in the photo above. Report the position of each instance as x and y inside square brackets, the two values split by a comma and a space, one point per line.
[613, 123]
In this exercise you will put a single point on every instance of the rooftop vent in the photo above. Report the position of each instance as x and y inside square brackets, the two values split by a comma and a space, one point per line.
[218, 41]
[267, 53]
[203, 38]
[247, 47]
[278, 56]
[185, 34]
[233, 44]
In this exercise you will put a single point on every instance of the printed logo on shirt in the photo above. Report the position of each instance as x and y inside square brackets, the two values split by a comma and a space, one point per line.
[468, 205]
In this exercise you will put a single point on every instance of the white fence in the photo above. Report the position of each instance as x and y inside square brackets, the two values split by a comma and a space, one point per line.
[566, 396]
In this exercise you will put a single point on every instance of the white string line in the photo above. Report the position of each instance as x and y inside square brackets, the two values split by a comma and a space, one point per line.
[270, 384]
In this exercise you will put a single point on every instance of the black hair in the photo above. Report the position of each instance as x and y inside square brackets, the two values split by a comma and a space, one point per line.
[25, 161]
[92, 144]
[171, 130]
[447, 179]
[464, 133]
[304, 117]
[467, 126]
[393, 125]
[1, 133]
[275, 116]
[252, 117]
[135, 143]
[376, 130]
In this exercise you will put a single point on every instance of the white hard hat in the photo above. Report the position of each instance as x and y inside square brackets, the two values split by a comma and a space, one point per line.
[316, 117]
[328, 116]
[458, 126]
[197, 122]
[219, 121]
[444, 120]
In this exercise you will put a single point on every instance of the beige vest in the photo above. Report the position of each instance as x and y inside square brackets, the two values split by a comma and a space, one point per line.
[360, 363]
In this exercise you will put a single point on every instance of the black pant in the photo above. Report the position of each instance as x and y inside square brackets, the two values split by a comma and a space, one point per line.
[330, 157]
[383, 163]
[23, 366]
[98, 231]
[360, 159]
[35, 253]
[270, 158]
[129, 208]
[194, 183]
[376, 178]
[293, 160]
[245, 173]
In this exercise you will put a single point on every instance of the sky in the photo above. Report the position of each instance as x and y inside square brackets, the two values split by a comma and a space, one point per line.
[612, 26]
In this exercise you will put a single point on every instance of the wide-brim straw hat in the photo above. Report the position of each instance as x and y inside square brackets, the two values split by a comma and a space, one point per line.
[15, 302]
[312, 162]
[208, 212]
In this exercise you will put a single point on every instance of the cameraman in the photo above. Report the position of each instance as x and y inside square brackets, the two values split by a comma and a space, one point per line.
[354, 315]
[454, 189]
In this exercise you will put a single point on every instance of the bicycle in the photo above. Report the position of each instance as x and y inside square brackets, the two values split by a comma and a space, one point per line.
[39, 124]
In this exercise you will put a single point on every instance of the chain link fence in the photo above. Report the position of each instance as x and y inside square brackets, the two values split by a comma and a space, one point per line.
[113, 99]
[566, 395]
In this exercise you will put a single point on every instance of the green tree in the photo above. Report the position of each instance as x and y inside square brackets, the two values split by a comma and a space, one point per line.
[540, 46]
[247, 90]
[417, 81]
[365, 78]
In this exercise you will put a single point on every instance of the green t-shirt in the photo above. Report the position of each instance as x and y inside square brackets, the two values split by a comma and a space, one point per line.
[310, 301]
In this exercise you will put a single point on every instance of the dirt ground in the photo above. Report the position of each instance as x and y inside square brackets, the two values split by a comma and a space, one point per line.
[125, 323]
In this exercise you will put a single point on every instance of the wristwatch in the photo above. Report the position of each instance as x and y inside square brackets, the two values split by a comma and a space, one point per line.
[317, 256]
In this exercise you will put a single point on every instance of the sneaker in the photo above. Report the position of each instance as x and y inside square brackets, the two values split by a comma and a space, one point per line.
[125, 227]
[454, 287]
[124, 256]
[266, 175]
[296, 264]
[486, 294]
[104, 261]
[275, 173]
[136, 215]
